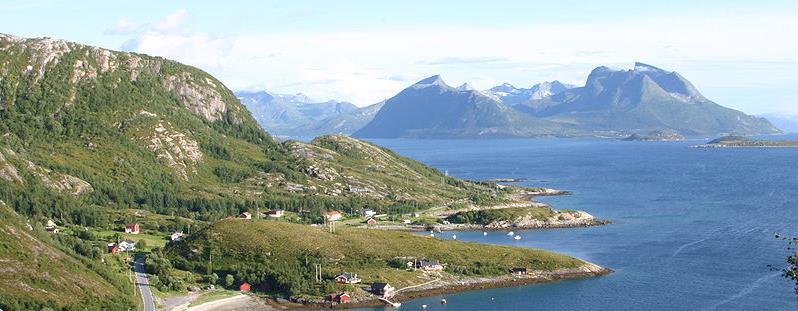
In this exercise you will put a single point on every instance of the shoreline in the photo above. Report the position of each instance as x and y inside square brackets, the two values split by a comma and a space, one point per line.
[588, 270]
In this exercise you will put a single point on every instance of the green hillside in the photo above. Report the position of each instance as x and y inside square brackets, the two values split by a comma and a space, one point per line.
[93, 138]
[36, 273]
[130, 130]
[284, 254]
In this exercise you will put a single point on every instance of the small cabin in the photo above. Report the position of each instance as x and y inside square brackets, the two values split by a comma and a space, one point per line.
[519, 271]
[245, 287]
[50, 226]
[177, 236]
[347, 278]
[245, 215]
[383, 289]
[367, 212]
[276, 213]
[132, 228]
[343, 298]
[371, 221]
[429, 265]
[127, 245]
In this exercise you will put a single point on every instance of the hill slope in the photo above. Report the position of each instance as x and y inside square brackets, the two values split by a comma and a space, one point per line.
[93, 127]
[640, 100]
[37, 274]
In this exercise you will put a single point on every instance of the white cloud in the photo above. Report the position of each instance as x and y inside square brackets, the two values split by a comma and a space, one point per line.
[367, 66]
[124, 26]
[173, 22]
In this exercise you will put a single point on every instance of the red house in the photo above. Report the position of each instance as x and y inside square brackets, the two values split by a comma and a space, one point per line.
[371, 221]
[342, 298]
[113, 248]
[245, 287]
[132, 228]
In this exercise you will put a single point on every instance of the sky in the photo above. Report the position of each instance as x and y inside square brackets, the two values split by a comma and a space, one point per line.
[740, 54]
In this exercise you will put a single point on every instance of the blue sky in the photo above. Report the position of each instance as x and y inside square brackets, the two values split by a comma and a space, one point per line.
[740, 54]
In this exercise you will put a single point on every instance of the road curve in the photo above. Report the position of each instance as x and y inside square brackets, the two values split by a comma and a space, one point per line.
[143, 283]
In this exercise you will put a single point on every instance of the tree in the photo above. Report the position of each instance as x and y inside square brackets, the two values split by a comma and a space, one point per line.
[141, 244]
[213, 278]
[229, 280]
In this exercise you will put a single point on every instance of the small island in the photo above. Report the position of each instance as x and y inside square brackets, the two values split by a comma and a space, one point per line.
[658, 135]
[735, 141]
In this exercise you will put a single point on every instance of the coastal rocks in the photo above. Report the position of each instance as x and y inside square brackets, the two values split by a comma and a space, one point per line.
[175, 150]
[201, 99]
[559, 220]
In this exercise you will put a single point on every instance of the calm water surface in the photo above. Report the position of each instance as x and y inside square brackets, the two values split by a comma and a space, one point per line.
[693, 228]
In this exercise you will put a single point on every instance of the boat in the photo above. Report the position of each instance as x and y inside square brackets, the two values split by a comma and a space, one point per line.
[443, 301]
[454, 237]
[510, 233]
[517, 237]
[484, 233]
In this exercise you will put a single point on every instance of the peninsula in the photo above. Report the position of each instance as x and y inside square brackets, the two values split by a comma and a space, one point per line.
[734, 141]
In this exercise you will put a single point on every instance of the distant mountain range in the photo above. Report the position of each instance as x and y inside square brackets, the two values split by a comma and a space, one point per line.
[786, 123]
[298, 115]
[613, 103]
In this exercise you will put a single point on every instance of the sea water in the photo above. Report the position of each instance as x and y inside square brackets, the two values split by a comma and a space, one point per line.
[692, 229]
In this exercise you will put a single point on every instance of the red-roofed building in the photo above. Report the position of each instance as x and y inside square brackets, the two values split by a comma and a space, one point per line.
[132, 228]
[342, 298]
[245, 287]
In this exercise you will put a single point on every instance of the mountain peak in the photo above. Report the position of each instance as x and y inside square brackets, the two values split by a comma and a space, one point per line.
[504, 87]
[465, 87]
[641, 67]
[433, 80]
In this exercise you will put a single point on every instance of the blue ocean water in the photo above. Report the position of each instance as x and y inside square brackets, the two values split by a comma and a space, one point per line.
[693, 229]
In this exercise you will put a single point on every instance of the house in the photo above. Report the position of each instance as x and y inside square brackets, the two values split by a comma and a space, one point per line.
[245, 287]
[367, 212]
[177, 235]
[343, 298]
[113, 248]
[407, 221]
[383, 289]
[519, 271]
[127, 245]
[276, 213]
[347, 278]
[51, 226]
[371, 221]
[429, 265]
[245, 215]
[333, 216]
[132, 228]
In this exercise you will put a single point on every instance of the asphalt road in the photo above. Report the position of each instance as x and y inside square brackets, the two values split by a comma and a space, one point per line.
[143, 283]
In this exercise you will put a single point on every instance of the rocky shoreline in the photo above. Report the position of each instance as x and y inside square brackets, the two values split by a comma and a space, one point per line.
[588, 270]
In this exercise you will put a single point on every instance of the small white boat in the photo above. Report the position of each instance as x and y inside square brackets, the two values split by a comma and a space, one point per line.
[484, 233]
[432, 235]
[510, 233]
[517, 237]
[443, 301]
[454, 237]
[423, 306]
